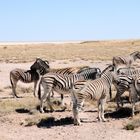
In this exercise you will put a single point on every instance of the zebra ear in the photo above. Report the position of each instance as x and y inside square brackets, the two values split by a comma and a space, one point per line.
[46, 61]
[37, 58]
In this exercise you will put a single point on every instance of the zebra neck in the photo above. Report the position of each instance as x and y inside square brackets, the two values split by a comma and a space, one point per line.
[108, 77]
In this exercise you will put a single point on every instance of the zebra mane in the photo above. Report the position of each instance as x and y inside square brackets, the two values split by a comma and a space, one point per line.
[108, 68]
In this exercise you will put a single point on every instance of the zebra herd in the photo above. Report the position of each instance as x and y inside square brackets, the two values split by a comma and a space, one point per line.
[82, 83]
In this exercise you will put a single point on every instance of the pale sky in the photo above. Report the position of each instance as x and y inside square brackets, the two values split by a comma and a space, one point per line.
[69, 20]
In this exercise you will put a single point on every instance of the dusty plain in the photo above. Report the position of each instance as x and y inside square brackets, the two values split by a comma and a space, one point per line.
[20, 118]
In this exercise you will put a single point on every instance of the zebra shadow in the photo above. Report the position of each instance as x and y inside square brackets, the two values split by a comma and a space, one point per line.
[51, 122]
[121, 113]
[50, 111]
[22, 110]
[6, 98]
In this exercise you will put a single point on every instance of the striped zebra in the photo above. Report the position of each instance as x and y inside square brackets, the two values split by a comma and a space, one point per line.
[129, 72]
[61, 83]
[122, 84]
[26, 76]
[94, 72]
[129, 81]
[137, 84]
[134, 95]
[92, 90]
[119, 61]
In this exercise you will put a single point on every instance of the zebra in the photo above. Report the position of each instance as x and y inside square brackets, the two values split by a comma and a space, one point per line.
[122, 84]
[129, 72]
[95, 72]
[129, 81]
[26, 76]
[61, 83]
[137, 84]
[91, 90]
[125, 60]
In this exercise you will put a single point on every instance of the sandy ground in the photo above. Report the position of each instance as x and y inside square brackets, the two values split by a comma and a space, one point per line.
[11, 128]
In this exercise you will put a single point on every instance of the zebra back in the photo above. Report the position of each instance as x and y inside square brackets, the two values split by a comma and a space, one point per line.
[25, 76]
[126, 60]
[67, 71]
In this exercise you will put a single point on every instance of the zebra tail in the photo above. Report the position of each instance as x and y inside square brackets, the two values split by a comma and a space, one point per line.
[110, 93]
[11, 81]
[137, 87]
[39, 91]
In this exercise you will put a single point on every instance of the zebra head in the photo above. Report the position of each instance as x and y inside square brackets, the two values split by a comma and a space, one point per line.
[135, 55]
[124, 71]
[40, 65]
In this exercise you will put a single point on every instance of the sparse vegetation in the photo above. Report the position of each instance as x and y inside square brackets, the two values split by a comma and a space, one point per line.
[133, 124]
[22, 112]
[96, 50]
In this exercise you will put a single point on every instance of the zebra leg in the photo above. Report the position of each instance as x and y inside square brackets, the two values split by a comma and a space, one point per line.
[99, 110]
[43, 99]
[118, 99]
[103, 101]
[52, 94]
[49, 102]
[101, 105]
[133, 96]
[63, 106]
[75, 110]
[76, 114]
[14, 85]
[35, 85]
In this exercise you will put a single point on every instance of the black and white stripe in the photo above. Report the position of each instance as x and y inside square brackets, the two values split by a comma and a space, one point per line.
[119, 61]
[25, 76]
[61, 83]
[122, 84]
[40, 65]
[92, 90]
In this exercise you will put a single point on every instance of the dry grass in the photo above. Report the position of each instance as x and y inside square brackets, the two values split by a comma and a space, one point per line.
[93, 50]
[11, 104]
[133, 124]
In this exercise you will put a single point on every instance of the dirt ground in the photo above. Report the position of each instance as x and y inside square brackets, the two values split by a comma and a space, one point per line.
[13, 123]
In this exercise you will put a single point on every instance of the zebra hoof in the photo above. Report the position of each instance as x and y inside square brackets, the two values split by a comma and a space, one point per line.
[15, 96]
[77, 123]
[41, 111]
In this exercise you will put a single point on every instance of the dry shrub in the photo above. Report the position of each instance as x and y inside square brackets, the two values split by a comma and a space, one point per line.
[133, 124]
